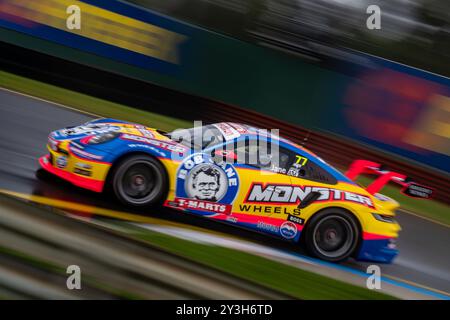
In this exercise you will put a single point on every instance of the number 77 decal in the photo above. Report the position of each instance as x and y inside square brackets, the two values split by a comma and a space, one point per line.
[300, 160]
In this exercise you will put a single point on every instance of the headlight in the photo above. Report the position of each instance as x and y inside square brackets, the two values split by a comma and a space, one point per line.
[53, 144]
[101, 138]
[384, 218]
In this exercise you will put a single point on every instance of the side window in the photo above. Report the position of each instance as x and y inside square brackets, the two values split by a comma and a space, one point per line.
[306, 169]
[267, 157]
[279, 160]
[254, 153]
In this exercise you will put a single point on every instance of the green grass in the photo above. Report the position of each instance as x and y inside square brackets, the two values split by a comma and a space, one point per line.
[88, 103]
[50, 267]
[427, 208]
[295, 282]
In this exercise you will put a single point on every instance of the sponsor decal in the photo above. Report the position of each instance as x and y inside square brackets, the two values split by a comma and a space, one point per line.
[145, 146]
[77, 145]
[227, 131]
[89, 129]
[300, 160]
[231, 219]
[277, 169]
[269, 209]
[294, 194]
[267, 227]
[61, 162]
[172, 204]
[296, 220]
[288, 230]
[157, 143]
[417, 191]
[293, 172]
[82, 172]
[84, 154]
[239, 128]
[146, 133]
[83, 165]
[199, 178]
[201, 205]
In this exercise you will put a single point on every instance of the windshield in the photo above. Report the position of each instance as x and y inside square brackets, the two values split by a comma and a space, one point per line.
[197, 138]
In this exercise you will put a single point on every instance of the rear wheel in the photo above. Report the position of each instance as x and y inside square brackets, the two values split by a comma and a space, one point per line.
[332, 235]
[140, 181]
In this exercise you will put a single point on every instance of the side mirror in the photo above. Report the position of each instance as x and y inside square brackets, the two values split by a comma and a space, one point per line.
[224, 156]
[310, 198]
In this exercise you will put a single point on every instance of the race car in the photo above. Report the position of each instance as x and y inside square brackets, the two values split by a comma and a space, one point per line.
[236, 174]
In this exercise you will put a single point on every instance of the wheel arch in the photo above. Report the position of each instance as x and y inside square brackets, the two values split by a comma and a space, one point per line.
[347, 210]
[128, 154]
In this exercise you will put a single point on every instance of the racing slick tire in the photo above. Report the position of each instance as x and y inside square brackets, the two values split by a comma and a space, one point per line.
[140, 181]
[332, 235]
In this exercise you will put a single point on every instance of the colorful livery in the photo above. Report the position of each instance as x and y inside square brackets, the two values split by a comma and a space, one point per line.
[236, 174]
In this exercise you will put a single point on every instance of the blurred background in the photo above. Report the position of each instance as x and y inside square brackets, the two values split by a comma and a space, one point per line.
[310, 68]
[413, 32]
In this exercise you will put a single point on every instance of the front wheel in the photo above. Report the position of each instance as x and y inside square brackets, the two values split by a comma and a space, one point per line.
[140, 181]
[332, 235]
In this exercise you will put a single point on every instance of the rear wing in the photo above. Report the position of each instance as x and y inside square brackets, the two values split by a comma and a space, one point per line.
[409, 187]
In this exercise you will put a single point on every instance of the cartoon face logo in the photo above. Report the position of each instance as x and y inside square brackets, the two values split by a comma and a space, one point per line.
[206, 182]
[200, 178]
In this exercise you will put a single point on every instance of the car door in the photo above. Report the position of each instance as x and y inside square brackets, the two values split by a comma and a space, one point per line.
[202, 185]
[262, 202]
[307, 175]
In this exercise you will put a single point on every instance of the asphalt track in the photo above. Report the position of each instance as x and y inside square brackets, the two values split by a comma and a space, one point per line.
[25, 123]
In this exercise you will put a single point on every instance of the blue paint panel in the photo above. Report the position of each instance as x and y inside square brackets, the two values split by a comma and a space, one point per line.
[253, 227]
[377, 250]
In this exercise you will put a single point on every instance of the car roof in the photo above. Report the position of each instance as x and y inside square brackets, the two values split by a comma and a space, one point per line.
[232, 130]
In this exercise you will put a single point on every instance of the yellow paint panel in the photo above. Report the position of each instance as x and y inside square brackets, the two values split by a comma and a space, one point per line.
[102, 25]
[99, 170]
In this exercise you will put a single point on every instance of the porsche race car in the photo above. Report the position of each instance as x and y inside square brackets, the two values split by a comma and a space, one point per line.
[236, 174]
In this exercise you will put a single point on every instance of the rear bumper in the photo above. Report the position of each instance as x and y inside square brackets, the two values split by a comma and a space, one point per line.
[79, 181]
[378, 250]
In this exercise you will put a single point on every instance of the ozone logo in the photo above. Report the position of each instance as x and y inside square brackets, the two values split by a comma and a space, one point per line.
[288, 230]
[200, 178]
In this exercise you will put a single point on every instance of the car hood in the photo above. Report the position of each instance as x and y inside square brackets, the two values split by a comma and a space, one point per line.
[98, 127]
[82, 134]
